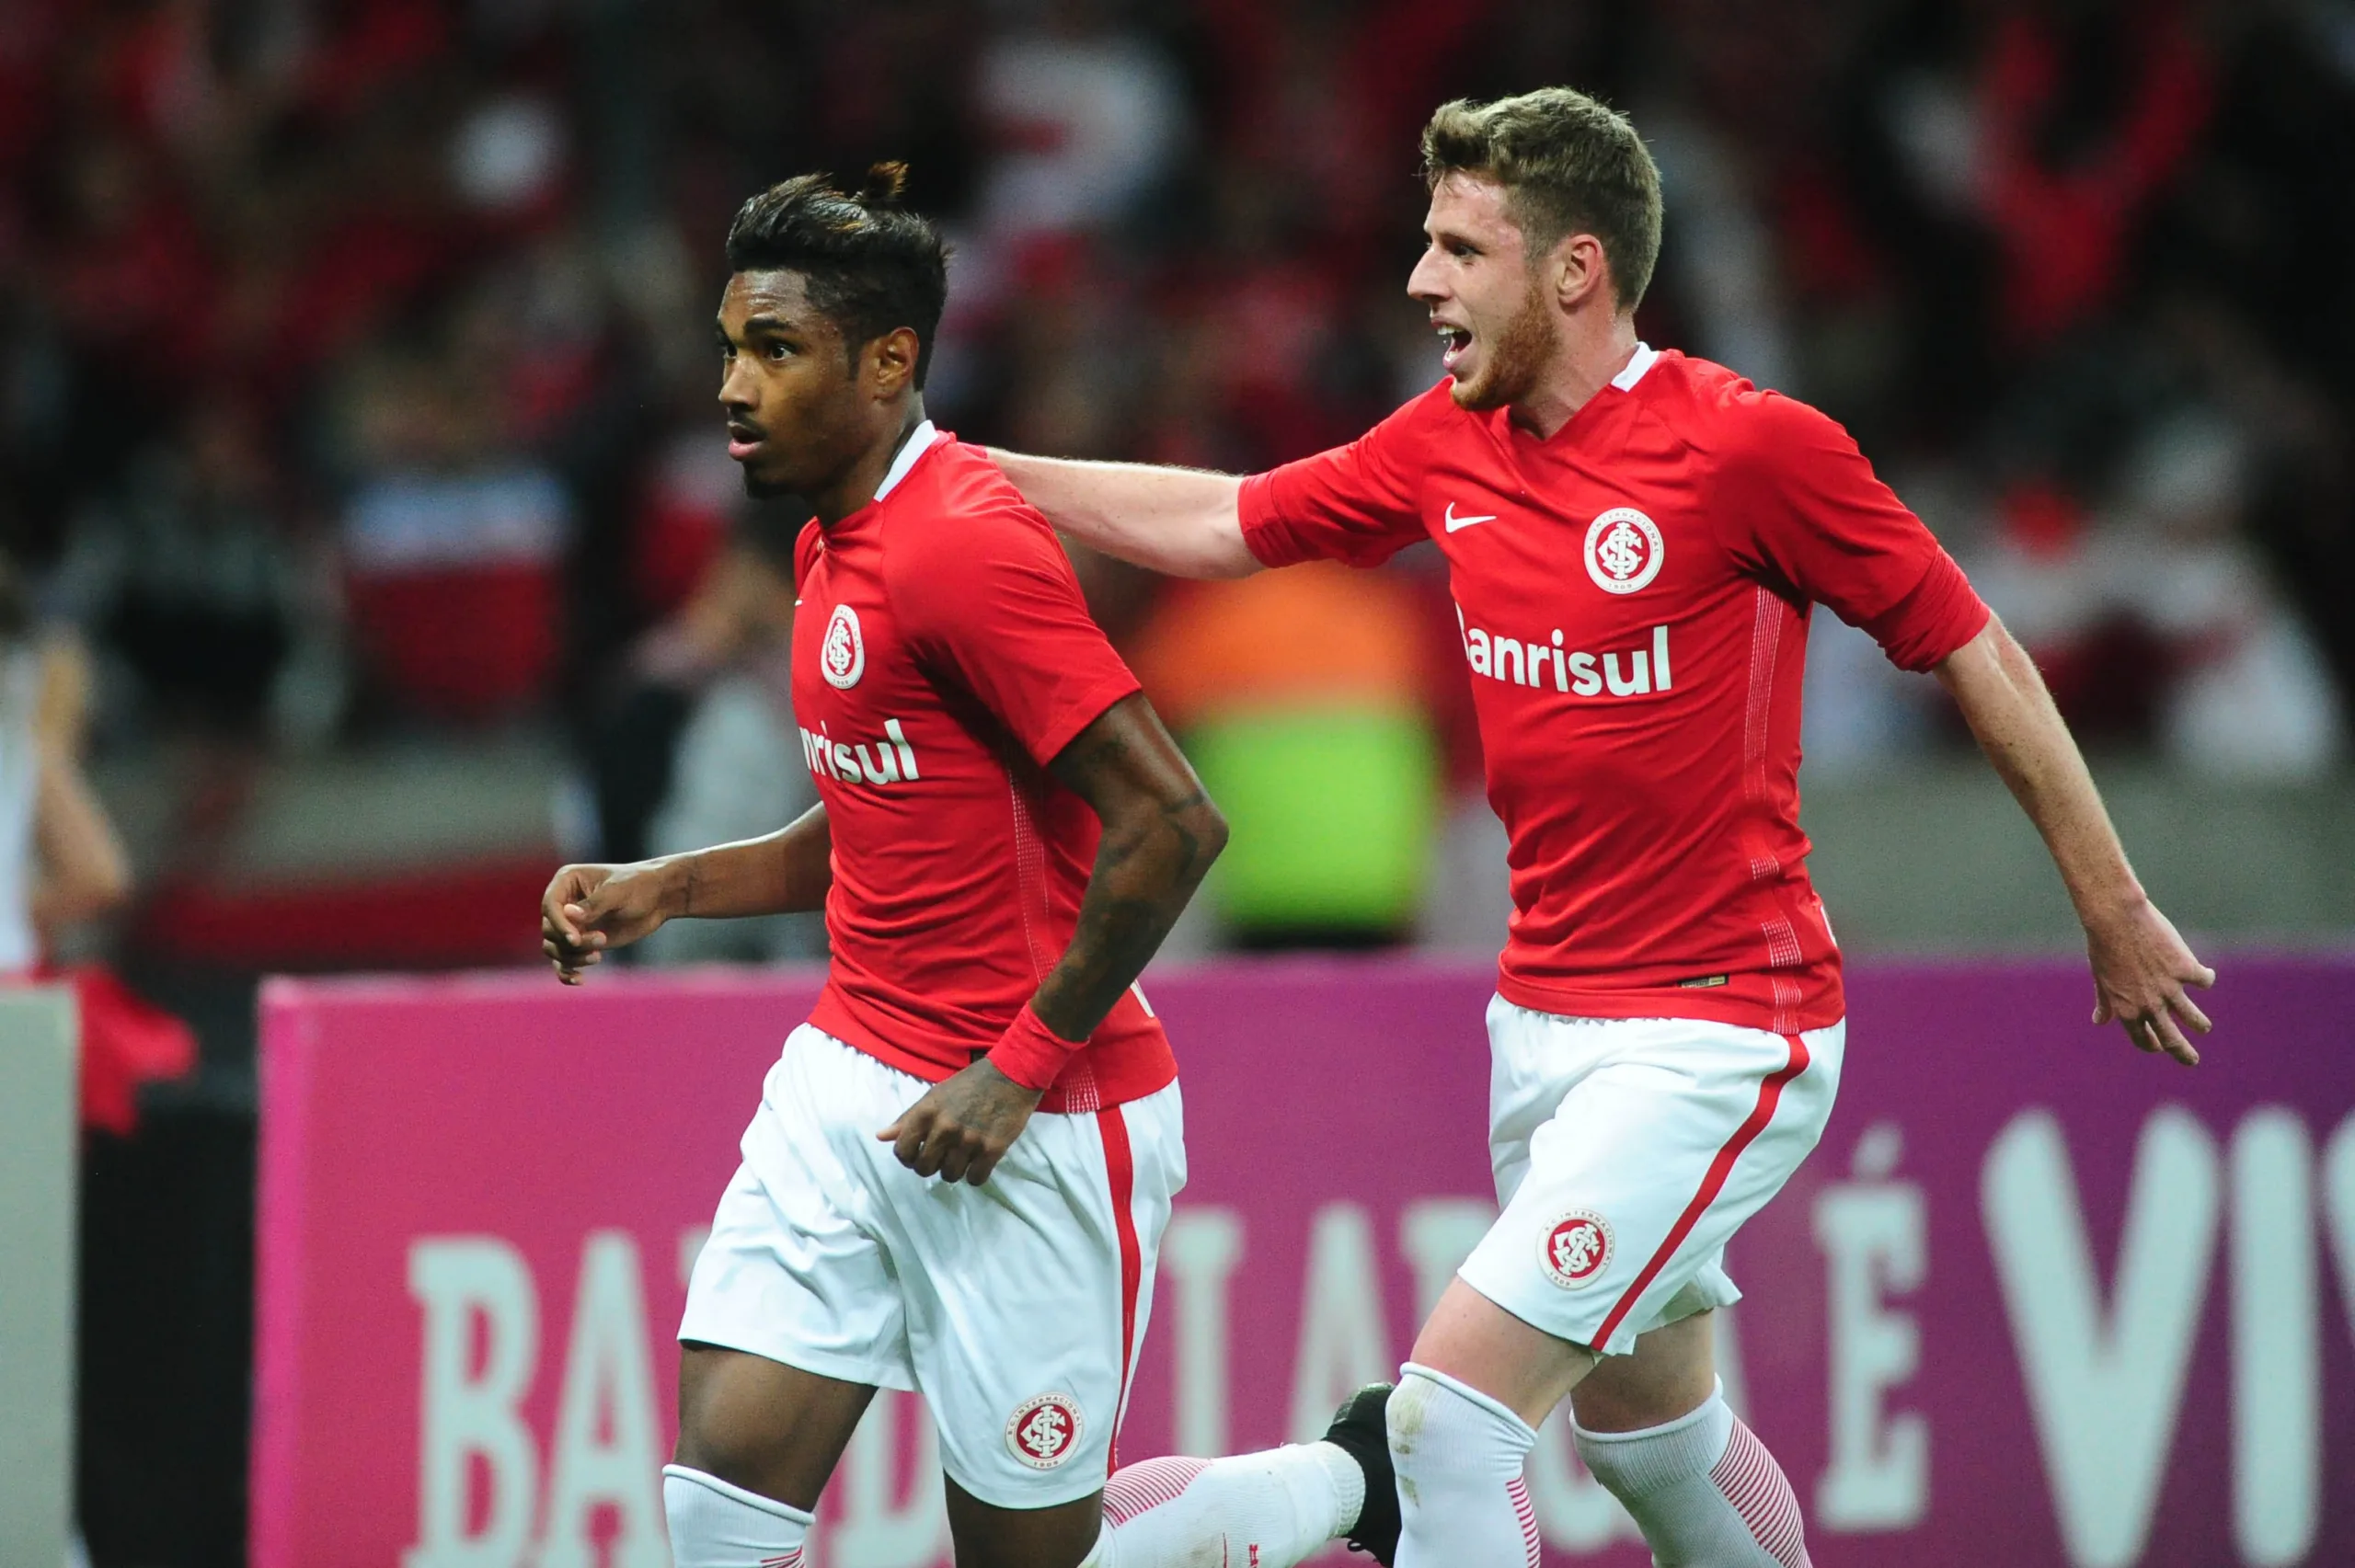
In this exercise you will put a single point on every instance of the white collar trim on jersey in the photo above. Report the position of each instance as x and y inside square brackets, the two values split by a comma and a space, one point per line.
[919, 441]
[1643, 358]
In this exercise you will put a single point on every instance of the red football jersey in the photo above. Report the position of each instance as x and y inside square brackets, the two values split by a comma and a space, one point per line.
[1633, 595]
[941, 657]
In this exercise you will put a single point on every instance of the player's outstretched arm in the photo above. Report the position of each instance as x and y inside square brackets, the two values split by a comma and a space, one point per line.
[589, 908]
[1185, 521]
[1161, 832]
[2141, 965]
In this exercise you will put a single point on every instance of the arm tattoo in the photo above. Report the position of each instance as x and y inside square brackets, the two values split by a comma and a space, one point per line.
[1155, 850]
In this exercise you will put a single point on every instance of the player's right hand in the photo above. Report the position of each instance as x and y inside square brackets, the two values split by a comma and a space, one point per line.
[589, 909]
[963, 1127]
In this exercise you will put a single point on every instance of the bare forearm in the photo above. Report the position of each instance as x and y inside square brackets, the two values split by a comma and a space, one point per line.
[781, 873]
[1146, 868]
[2012, 714]
[83, 870]
[2140, 962]
[1185, 521]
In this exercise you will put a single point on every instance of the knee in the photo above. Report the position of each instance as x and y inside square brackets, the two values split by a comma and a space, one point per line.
[712, 1522]
[761, 1425]
[1457, 1455]
[716, 1440]
[1672, 1375]
[1406, 1416]
[1637, 1407]
[720, 1454]
[1438, 1426]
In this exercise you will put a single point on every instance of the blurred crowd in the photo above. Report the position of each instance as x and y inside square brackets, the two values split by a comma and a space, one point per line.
[355, 365]
[356, 392]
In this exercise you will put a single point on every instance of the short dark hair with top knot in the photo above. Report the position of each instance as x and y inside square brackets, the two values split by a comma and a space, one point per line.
[870, 265]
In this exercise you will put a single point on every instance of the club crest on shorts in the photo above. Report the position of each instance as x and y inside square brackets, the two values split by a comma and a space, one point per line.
[1624, 550]
[1575, 1248]
[1044, 1431]
[841, 659]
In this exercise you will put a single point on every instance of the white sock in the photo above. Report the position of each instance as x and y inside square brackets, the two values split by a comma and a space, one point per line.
[1704, 1488]
[1272, 1508]
[715, 1525]
[1458, 1456]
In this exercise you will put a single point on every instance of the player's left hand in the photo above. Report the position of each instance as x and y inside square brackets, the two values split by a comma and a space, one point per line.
[962, 1128]
[2141, 967]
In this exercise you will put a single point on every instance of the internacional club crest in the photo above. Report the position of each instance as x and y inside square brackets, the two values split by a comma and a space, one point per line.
[1044, 1431]
[843, 657]
[1624, 550]
[1575, 1251]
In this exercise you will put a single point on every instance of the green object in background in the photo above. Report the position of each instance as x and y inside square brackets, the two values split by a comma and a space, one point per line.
[1331, 811]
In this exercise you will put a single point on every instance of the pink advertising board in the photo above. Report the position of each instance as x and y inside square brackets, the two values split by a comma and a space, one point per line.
[2037, 1299]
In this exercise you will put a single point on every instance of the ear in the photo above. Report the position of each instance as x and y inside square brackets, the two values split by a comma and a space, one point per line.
[892, 363]
[1580, 272]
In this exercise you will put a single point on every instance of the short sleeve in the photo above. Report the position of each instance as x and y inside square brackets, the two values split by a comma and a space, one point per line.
[1798, 503]
[1355, 503]
[1001, 615]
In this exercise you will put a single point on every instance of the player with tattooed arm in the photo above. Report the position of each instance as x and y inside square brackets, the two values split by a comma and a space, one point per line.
[960, 1171]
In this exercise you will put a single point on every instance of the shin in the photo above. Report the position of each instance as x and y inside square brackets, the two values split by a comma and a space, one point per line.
[1703, 1488]
[1458, 1454]
[1273, 1508]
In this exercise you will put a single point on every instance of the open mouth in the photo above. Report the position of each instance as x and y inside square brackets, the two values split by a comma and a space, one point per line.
[1454, 341]
[742, 440]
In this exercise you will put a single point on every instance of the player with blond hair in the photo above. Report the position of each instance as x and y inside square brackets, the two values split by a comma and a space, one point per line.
[1634, 540]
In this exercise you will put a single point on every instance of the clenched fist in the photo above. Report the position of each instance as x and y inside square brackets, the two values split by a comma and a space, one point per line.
[589, 908]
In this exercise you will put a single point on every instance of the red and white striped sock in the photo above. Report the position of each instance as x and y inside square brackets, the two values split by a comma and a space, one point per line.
[1268, 1509]
[1458, 1454]
[1704, 1490]
[1517, 1493]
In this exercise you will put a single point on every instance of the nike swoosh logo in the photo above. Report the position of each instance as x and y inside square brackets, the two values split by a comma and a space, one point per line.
[1454, 522]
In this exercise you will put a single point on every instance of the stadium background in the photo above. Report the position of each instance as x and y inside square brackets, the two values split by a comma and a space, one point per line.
[355, 430]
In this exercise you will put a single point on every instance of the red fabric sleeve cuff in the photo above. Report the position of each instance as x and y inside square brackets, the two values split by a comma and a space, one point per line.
[1093, 702]
[1270, 544]
[1938, 616]
[1031, 1054]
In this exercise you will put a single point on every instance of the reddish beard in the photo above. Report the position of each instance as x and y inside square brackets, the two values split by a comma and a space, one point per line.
[1515, 359]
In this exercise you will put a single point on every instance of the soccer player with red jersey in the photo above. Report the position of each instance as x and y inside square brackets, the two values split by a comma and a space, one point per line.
[1633, 539]
[961, 1165]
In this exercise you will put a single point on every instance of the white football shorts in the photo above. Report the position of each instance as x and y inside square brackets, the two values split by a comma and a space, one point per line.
[1626, 1152]
[1015, 1308]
